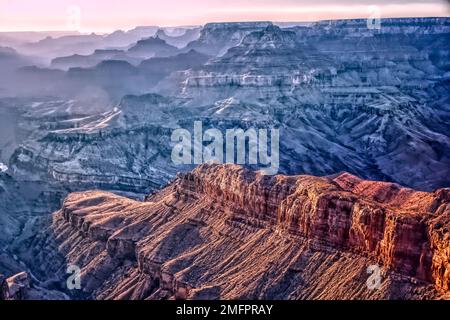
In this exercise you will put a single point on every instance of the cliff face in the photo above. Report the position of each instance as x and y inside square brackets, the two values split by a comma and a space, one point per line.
[222, 231]
[402, 229]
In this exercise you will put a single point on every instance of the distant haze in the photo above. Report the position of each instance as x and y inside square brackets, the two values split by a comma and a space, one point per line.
[109, 15]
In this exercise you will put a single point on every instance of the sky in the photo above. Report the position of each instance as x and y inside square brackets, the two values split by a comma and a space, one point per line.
[110, 15]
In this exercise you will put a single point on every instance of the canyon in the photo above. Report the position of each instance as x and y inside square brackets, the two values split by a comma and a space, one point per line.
[97, 112]
[223, 231]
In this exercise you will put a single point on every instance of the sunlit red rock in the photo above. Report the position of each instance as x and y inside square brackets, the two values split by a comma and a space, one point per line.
[244, 234]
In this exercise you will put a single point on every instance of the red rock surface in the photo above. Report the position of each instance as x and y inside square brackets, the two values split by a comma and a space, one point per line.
[222, 231]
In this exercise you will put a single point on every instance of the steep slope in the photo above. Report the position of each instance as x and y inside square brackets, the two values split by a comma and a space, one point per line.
[222, 231]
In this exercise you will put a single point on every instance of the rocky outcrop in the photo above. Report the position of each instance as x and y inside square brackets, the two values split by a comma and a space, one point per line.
[222, 231]
[21, 287]
[15, 287]
[382, 219]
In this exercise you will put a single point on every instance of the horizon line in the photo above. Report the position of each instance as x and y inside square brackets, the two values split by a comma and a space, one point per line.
[98, 31]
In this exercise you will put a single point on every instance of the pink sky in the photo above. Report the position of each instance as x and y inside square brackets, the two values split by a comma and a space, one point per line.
[109, 15]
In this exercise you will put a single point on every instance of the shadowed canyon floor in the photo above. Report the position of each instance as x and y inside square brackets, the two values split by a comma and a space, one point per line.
[222, 231]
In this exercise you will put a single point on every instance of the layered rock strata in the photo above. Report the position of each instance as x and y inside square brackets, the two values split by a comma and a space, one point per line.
[222, 231]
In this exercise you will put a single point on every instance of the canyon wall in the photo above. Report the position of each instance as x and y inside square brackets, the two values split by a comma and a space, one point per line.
[403, 229]
[222, 231]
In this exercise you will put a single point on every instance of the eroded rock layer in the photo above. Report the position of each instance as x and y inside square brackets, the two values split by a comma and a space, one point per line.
[222, 231]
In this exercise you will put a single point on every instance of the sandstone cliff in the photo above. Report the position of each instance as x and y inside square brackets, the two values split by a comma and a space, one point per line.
[222, 231]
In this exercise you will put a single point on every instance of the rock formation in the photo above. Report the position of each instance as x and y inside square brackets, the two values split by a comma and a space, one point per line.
[222, 231]
[346, 98]
[20, 287]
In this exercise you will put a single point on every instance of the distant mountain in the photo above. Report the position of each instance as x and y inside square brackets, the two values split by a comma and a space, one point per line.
[10, 59]
[139, 49]
[182, 40]
[110, 68]
[119, 77]
[217, 38]
[291, 24]
[132, 46]
[63, 46]
[179, 31]
[17, 38]
[164, 66]
[121, 38]
[152, 47]
[109, 71]
[10, 62]
[115, 77]
[269, 53]
[87, 61]
[85, 44]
